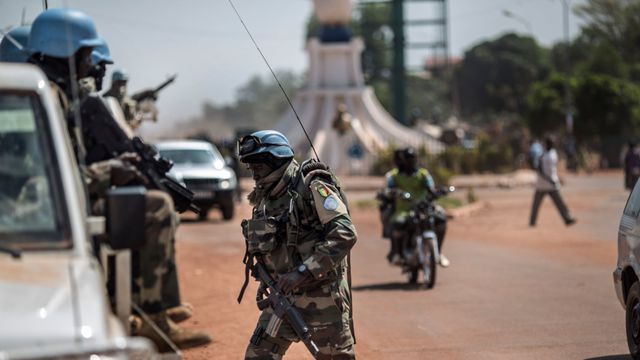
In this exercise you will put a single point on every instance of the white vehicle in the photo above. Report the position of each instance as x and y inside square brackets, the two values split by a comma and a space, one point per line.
[625, 277]
[53, 301]
[201, 168]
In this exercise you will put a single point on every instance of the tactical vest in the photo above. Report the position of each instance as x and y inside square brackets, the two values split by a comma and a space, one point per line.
[283, 231]
[413, 184]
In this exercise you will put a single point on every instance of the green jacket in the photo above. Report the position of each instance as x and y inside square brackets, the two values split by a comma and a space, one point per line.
[419, 184]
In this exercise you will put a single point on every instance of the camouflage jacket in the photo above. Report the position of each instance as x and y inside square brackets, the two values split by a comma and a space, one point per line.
[306, 223]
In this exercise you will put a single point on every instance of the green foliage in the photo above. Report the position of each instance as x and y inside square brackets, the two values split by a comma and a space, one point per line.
[449, 202]
[471, 196]
[495, 76]
[603, 105]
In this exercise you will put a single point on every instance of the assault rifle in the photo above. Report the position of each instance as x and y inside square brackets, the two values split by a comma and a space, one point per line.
[153, 93]
[282, 308]
[155, 168]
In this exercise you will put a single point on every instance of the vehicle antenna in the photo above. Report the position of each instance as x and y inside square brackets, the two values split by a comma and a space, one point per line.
[276, 78]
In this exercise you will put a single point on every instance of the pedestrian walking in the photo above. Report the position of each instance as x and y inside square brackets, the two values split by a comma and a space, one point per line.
[548, 183]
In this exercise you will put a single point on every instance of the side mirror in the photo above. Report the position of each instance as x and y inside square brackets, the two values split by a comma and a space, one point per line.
[126, 217]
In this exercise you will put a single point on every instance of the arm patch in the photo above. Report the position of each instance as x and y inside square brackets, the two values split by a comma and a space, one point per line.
[327, 201]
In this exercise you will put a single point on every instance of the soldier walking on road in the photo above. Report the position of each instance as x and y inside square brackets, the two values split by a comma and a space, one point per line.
[548, 183]
[301, 232]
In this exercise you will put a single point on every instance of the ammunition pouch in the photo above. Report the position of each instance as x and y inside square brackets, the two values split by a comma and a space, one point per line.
[260, 235]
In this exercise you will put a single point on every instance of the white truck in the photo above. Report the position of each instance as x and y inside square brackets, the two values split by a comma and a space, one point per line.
[53, 300]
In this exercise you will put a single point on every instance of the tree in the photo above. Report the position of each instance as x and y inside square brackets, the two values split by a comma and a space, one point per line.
[604, 106]
[495, 76]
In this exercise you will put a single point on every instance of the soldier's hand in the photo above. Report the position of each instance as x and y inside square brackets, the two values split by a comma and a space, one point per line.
[292, 280]
[129, 157]
[123, 173]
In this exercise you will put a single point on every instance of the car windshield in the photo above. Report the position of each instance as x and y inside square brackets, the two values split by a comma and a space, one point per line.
[27, 204]
[191, 156]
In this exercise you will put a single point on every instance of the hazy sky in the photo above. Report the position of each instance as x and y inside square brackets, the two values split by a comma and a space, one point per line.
[203, 41]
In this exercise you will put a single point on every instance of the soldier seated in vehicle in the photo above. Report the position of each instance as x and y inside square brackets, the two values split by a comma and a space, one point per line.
[58, 38]
[408, 178]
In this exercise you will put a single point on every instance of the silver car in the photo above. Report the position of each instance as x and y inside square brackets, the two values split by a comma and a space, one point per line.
[201, 168]
[625, 277]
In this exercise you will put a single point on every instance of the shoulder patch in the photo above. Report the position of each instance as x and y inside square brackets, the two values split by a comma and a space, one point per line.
[322, 190]
[330, 203]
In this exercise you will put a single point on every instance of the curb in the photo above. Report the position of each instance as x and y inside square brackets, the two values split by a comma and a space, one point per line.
[467, 210]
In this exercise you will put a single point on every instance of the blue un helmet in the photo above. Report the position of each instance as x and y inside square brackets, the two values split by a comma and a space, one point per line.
[264, 142]
[62, 32]
[9, 51]
[119, 75]
[101, 54]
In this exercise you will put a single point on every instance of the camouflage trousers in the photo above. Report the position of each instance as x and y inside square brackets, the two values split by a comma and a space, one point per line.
[326, 312]
[155, 277]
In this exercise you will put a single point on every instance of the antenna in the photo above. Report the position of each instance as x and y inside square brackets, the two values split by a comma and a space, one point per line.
[45, 4]
[24, 13]
[276, 78]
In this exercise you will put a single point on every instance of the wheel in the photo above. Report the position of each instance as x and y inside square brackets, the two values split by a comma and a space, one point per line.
[429, 267]
[227, 211]
[413, 276]
[633, 320]
[203, 215]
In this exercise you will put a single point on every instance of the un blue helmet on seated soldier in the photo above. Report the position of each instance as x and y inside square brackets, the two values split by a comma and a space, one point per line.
[408, 177]
[302, 233]
[60, 39]
[13, 47]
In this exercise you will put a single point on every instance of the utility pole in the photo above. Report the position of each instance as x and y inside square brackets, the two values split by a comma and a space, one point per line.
[568, 107]
[398, 81]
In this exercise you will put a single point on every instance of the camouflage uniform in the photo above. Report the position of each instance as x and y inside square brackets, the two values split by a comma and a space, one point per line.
[128, 106]
[155, 279]
[303, 219]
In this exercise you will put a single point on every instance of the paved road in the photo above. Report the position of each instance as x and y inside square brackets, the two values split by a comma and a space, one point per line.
[512, 292]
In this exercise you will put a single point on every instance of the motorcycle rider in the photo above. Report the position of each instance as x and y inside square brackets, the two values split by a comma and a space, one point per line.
[407, 177]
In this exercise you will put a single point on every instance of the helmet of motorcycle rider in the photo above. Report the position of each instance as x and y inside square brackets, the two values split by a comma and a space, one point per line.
[406, 160]
[62, 32]
[264, 145]
[9, 51]
[101, 54]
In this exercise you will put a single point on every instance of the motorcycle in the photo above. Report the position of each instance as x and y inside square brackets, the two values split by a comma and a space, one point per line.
[420, 244]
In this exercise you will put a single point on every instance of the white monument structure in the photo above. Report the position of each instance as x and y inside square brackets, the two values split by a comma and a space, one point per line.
[348, 143]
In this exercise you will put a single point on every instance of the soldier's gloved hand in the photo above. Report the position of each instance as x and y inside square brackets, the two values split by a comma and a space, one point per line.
[129, 157]
[292, 280]
[123, 173]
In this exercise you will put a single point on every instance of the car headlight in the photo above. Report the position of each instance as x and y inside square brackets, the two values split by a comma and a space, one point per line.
[225, 184]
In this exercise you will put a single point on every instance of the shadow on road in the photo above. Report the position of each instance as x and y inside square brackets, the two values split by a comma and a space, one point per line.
[611, 357]
[390, 286]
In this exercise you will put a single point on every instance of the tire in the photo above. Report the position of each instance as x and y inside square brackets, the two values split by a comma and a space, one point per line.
[203, 215]
[633, 320]
[413, 276]
[227, 211]
[430, 266]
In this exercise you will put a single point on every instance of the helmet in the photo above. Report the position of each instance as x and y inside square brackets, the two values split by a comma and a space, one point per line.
[119, 75]
[406, 159]
[264, 142]
[62, 32]
[101, 54]
[9, 52]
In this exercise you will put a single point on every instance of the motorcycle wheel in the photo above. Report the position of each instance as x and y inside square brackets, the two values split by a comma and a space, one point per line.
[413, 276]
[429, 266]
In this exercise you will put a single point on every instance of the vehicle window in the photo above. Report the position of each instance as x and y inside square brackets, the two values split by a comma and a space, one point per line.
[190, 156]
[27, 207]
[633, 203]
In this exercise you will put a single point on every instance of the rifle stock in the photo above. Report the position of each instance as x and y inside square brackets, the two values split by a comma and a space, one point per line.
[283, 308]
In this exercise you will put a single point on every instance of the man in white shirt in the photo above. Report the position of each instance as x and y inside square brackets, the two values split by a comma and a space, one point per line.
[549, 183]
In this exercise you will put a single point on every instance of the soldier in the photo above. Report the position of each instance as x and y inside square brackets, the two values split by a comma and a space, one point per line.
[60, 37]
[12, 52]
[407, 177]
[302, 232]
[118, 90]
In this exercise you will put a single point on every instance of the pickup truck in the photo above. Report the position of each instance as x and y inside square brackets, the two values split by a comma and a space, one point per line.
[53, 299]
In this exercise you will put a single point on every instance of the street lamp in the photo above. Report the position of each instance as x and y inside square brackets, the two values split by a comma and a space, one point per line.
[524, 21]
